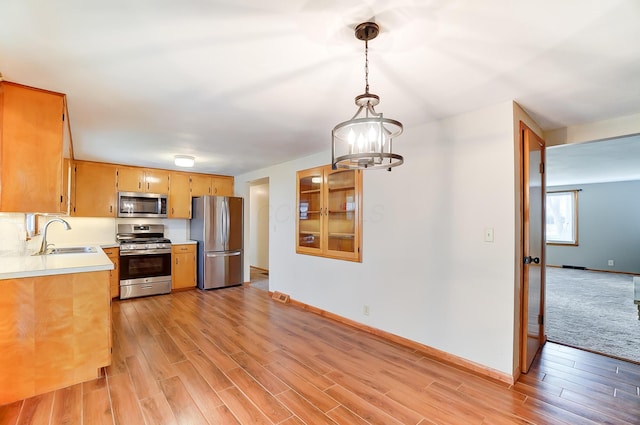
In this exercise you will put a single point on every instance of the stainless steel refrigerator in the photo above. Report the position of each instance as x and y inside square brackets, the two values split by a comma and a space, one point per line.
[217, 226]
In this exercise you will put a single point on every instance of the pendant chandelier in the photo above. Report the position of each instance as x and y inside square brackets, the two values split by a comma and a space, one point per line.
[366, 140]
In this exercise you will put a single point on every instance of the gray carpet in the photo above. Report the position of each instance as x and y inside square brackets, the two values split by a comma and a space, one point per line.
[593, 311]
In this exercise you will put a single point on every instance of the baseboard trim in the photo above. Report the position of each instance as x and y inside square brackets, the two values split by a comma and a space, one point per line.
[259, 268]
[433, 353]
[593, 270]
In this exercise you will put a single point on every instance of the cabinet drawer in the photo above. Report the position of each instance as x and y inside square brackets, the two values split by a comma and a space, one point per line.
[184, 249]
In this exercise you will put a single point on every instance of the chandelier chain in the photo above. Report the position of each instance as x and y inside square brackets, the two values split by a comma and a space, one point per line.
[366, 66]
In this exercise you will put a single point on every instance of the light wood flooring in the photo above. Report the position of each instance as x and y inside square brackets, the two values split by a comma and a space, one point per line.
[235, 356]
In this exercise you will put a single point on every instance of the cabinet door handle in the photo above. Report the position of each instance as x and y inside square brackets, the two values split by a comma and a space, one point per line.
[110, 208]
[139, 185]
[176, 261]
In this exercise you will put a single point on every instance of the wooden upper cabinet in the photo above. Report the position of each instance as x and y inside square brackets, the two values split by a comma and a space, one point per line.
[95, 189]
[222, 185]
[179, 195]
[134, 179]
[329, 216]
[31, 149]
[157, 181]
[203, 184]
[200, 185]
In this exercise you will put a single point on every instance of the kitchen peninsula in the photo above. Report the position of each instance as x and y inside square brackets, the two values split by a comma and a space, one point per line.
[55, 321]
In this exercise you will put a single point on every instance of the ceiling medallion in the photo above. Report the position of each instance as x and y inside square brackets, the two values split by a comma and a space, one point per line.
[366, 140]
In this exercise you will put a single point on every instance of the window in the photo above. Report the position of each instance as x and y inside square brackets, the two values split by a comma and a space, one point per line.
[562, 217]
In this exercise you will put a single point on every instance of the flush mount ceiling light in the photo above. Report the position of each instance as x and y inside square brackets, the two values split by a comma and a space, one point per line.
[184, 161]
[366, 140]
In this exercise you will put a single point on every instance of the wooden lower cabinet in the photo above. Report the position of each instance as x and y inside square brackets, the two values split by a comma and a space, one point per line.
[183, 270]
[114, 275]
[55, 331]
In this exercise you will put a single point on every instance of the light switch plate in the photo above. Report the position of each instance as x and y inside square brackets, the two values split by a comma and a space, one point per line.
[488, 234]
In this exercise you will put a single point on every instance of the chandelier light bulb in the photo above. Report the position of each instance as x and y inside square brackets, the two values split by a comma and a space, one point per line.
[352, 136]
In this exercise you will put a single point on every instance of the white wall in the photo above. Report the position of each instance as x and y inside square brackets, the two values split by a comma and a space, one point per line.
[427, 273]
[258, 252]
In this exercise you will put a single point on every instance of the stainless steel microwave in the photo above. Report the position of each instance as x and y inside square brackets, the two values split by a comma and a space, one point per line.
[135, 204]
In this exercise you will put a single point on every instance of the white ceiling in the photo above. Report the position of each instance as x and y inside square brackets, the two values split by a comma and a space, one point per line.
[243, 84]
[594, 162]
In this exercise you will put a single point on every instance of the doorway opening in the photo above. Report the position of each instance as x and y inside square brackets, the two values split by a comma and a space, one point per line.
[258, 252]
[590, 300]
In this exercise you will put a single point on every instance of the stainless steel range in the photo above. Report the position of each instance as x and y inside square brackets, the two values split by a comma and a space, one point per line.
[145, 260]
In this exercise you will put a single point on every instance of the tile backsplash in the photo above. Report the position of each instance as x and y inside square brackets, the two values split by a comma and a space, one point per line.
[84, 230]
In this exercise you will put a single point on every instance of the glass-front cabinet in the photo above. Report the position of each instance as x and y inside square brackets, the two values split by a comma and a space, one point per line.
[329, 216]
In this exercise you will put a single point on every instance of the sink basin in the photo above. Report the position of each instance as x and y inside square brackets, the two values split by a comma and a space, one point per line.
[74, 250]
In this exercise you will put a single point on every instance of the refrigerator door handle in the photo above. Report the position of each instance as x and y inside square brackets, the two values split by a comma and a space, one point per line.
[223, 230]
[227, 223]
[223, 254]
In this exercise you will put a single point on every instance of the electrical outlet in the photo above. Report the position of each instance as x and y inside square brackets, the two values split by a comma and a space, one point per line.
[611, 262]
[365, 310]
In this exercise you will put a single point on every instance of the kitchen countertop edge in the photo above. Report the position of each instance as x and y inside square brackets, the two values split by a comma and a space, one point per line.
[18, 267]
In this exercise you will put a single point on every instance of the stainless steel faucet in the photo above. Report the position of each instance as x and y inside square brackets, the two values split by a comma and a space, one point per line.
[44, 244]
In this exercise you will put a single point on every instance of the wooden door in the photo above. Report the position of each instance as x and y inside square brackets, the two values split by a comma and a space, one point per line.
[533, 189]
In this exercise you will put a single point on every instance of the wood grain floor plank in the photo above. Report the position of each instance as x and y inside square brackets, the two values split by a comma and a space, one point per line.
[209, 371]
[124, 402]
[170, 348]
[267, 379]
[221, 358]
[264, 400]
[363, 408]
[184, 408]
[391, 407]
[142, 377]
[300, 366]
[156, 410]
[242, 408]
[67, 406]
[303, 387]
[97, 407]
[37, 410]
[305, 411]
[204, 396]
[9, 413]
[342, 415]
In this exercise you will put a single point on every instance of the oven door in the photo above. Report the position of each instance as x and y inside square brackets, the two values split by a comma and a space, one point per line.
[139, 266]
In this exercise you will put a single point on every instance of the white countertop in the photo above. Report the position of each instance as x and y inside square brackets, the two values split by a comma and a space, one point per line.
[13, 267]
[188, 242]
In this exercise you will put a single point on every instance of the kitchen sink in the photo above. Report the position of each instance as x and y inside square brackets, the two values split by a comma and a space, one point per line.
[74, 250]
